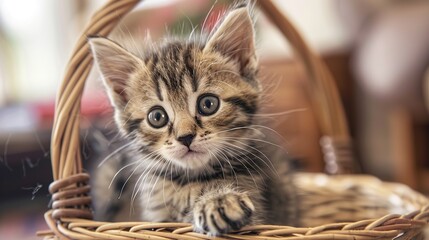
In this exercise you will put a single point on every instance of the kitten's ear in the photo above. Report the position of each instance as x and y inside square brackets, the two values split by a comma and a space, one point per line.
[235, 38]
[116, 66]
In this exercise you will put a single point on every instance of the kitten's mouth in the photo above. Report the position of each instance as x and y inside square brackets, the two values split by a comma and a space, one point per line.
[191, 153]
[189, 158]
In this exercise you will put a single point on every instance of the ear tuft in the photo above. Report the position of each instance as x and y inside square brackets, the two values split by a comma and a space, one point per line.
[116, 66]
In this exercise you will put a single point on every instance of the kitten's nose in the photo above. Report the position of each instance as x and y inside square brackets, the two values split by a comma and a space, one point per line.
[186, 139]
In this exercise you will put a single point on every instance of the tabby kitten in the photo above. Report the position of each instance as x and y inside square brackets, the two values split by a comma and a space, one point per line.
[187, 109]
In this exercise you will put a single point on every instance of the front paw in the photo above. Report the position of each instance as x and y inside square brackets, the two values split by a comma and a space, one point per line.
[219, 214]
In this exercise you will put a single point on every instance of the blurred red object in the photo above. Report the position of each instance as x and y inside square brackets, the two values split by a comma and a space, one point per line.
[94, 104]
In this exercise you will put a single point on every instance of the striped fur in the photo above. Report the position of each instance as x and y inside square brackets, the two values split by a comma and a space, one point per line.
[223, 180]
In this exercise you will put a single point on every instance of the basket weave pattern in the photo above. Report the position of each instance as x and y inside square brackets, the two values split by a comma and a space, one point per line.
[70, 216]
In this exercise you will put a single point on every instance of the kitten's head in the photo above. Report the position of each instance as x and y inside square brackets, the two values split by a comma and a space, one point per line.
[186, 101]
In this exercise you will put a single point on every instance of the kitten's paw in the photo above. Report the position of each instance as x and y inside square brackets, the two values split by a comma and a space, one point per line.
[219, 214]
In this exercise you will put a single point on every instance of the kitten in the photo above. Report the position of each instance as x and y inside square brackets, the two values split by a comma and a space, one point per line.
[187, 109]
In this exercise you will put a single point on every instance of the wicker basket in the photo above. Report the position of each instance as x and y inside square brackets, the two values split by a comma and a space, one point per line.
[330, 196]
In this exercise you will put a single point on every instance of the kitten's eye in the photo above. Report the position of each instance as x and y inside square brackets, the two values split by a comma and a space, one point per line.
[157, 117]
[208, 104]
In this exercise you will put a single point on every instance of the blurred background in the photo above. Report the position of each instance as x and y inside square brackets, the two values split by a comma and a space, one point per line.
[377, 50]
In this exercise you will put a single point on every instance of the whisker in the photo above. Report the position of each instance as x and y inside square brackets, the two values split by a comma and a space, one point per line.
[257, 140]
[270, 166]
[140, 180]
[271, 130]
[114, 153]
[279, 113]
[234, 129]
[221, 149]
[119, 171]
[217, 159]
[208, 14]
[132, 173]
[225, 148]
[232, 146]
[163, 184]
[154, 184]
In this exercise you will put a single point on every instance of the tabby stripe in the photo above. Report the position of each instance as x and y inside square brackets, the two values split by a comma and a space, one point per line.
[151, 139]
[185, 211]
[247, 211]
[218, 229]
[175, 50]
[205, 227]
[248, 107]
[198, 122]
[134, 124]
[234, 225]
[244, 166]
[187, 58]
[121, 184]
[247, 164]
[170, 129]
[176, 81]
[175, 77]
[240, 124]
[226, 122]
[166, 82]
[155, 77]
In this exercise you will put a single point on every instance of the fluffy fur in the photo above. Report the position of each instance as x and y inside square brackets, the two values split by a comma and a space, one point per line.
[214, 170]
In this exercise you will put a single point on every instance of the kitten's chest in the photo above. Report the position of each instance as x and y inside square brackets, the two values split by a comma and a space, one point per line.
[164, 201]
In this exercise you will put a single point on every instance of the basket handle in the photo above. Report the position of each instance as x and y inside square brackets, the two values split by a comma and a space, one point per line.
[335, 142]
[65, 147]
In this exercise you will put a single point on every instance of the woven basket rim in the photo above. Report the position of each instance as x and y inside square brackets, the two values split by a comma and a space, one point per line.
[69, 218]
[386, 227]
